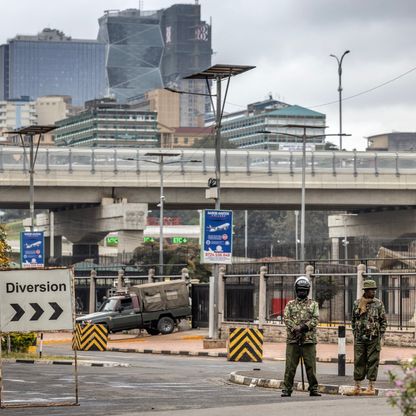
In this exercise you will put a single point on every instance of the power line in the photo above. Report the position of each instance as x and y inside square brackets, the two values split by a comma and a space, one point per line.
[369, 90]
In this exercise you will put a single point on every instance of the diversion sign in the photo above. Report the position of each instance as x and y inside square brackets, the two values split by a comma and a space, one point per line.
[217, 236]
[35, 300]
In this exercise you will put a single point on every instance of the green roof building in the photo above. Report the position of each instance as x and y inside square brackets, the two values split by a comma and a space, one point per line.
[262, 126]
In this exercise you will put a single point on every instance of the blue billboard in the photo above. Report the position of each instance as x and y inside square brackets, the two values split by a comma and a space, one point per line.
[217, 236]
[32, 249]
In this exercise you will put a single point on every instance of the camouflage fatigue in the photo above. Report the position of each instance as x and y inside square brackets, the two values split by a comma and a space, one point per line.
[368, 328]
[299, 312]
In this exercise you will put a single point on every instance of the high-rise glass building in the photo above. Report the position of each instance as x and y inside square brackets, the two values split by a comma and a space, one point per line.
[51, 63]
[134, 51]
[147, 50]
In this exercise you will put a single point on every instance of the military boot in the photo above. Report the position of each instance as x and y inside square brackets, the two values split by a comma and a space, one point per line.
[286, 393]
[370, 390]
[315, 393]
[357, 388]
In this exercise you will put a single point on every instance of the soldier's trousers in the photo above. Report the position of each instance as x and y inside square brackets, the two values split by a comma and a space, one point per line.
[366, 359]
[293, 352]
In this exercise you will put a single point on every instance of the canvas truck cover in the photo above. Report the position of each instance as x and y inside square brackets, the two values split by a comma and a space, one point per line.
[162, 295]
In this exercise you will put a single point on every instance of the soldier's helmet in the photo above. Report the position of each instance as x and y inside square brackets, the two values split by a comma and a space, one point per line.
[302, 282]
[369, 284]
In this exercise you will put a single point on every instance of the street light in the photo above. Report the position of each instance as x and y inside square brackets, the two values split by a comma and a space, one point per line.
[31, 132]
[217, 73]
[304, 137]
[161, 162]
[340, 93]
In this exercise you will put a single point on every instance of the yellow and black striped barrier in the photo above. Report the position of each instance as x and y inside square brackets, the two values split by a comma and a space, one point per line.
[245, 344]
[90, 337]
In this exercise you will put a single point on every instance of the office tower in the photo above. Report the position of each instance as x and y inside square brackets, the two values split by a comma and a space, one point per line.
[52, 63]
[147, 50]
[105, 123]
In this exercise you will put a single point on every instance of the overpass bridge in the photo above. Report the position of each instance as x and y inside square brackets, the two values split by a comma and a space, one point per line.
[72, 177]
[95, 191]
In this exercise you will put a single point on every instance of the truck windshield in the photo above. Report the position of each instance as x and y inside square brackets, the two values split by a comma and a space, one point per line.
[109, 305]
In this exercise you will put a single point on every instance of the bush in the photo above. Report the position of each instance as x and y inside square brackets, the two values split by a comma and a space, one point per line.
[19, 342]
[404, 397]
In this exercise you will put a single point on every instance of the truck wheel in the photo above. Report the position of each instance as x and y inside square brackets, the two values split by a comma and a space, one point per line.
[166, 325]
[152, 331]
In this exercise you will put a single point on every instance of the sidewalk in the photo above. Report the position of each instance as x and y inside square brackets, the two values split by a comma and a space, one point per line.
[189, 342]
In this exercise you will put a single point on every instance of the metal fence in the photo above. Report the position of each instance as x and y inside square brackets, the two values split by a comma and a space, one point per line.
[334, 288]
[115, 159]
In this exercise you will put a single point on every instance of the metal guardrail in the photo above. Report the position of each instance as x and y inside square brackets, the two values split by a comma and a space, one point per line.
[254, 161]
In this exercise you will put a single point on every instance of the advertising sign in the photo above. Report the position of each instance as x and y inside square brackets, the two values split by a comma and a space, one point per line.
[32, 248]
[35, 300]
[217, 236]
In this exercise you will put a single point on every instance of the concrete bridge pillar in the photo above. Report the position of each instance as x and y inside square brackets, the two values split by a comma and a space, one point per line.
[128, 240]
[335, 248]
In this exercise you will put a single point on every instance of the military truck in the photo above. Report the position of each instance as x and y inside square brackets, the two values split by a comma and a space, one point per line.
[155, 307]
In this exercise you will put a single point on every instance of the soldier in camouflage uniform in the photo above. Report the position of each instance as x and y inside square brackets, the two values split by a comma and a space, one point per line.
[368, 326]
[301, 319]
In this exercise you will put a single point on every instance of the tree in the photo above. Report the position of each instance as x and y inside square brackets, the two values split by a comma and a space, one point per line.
[209, 143]
[5, 249]
[175, 257]
[326, 289]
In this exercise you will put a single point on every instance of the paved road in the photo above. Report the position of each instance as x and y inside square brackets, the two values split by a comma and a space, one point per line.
[163, 385]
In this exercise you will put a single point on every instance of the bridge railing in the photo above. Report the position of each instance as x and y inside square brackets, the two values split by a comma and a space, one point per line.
[254, 161]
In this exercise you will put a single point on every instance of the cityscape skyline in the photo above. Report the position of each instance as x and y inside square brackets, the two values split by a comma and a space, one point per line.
[292, 65]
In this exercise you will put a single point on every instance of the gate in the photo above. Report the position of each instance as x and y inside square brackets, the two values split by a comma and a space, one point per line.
[239, 305]
[200, 305]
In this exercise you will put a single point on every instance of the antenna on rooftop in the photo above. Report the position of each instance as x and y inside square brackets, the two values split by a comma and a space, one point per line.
[140, 4]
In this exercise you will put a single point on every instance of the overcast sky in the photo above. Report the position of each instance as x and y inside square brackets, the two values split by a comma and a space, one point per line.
[289, 42]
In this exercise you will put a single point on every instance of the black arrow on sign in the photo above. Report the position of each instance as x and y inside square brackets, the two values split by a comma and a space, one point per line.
[57, 311]
[19, 311]
[38, 311]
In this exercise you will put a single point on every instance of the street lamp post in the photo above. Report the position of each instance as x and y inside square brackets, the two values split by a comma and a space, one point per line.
[31, 132]
[304, 138]
[296, 234]
[339, 61]
[161, 162]
[217, 73]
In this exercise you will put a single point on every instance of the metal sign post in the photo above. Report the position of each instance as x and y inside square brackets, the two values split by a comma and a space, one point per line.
[37, 301]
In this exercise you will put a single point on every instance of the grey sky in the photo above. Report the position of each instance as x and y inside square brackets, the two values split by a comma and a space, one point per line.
[289, 41]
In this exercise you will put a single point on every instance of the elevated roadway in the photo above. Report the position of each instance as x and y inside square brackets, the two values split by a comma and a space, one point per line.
[71, 177]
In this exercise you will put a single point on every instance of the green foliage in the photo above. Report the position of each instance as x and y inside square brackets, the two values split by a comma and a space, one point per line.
[209, 143]
[404, 397]
[19, 342]
[5, 249]
[325, 289]
[186, 254]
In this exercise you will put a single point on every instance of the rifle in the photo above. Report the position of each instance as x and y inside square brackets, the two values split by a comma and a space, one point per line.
[300, 341]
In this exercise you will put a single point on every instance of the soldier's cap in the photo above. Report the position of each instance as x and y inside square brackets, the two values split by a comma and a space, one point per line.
[302, 282]
[369, 284]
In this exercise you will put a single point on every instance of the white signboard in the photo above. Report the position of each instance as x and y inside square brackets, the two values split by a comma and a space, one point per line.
[35, 300]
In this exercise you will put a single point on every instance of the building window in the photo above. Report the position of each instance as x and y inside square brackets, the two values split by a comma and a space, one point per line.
[175, 140]
[185, 140]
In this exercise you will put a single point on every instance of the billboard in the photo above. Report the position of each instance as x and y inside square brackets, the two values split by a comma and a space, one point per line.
[217, 236]
[32, 250]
